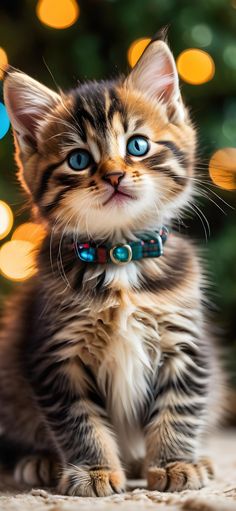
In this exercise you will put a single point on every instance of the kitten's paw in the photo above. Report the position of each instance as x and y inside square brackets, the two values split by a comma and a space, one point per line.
[36, 470]
[91, 481]
[178, 476]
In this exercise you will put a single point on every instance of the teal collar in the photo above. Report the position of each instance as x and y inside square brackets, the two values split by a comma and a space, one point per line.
[150, 245]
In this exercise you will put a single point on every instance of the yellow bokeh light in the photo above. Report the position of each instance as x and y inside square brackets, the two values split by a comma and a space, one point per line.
[29, 231]
[136, 49]
[17, 260]
[222, 168]
[195, 66]
[3, 62]
[6, 219]
[57, 13]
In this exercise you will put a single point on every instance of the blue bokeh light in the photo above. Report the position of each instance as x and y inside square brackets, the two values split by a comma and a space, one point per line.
[4, 121]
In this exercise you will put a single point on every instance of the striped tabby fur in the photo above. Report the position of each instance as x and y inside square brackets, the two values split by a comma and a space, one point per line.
[103, 367]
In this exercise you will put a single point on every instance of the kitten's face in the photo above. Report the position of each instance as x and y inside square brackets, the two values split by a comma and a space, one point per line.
[109, 156]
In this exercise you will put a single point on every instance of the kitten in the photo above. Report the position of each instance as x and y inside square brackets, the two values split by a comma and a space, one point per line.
[105, 359]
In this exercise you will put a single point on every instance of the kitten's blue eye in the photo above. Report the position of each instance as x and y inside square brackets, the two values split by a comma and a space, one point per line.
[79, 159]
[137, 146]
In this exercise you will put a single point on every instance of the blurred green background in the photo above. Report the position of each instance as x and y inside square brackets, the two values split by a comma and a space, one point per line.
[96, 47]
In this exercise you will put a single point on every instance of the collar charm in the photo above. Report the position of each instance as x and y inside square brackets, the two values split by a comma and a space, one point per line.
[151, 245]
[121, 254]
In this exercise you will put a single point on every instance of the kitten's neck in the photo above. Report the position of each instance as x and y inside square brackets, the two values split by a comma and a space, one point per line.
[58, 259]
[146, 244]
[118, 235]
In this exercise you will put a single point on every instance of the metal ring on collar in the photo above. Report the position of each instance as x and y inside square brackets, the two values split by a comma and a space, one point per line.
[115, 258]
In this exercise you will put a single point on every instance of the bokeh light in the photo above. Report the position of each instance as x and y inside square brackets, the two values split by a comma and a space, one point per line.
[136, 49]
[229, 129]
[17, 257]
[229, 55]
[229, 124]
[202, 34]
[3, 62]
[29, 231]
[4, 121]
[6, 219]
[17, 260]
[195, 66]
[222, 168]
[57, 14]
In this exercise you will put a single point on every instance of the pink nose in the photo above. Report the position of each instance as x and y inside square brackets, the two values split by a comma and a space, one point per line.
[114, 178]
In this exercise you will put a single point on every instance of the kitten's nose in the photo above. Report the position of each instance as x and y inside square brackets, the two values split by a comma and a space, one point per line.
[114, 178]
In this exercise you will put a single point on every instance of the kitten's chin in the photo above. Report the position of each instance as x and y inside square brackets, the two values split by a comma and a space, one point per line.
[129, 210]
[119, 199]
[115, 220]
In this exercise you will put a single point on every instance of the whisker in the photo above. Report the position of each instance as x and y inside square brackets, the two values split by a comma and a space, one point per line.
[206, 195]
[203, 219]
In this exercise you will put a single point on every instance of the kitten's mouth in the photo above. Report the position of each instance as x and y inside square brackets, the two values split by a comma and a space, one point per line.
[119, 197]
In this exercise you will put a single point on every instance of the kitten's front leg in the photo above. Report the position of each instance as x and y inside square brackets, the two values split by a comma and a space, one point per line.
[90, 464]
[176, 420]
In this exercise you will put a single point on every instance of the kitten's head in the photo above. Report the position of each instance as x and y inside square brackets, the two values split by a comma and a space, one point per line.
[106, 157]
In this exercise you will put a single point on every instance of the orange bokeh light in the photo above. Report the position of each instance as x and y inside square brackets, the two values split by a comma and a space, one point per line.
[136, 49]
[58, 14]
[3, 62]
[222, 168]
[6, 219]
[195, 66]
[17, 260]
[29, 231]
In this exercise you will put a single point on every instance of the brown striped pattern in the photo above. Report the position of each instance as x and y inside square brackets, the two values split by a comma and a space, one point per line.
[107, 367]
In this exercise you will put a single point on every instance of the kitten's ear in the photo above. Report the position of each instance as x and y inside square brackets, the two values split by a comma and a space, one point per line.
[27, 102]
[156, 76]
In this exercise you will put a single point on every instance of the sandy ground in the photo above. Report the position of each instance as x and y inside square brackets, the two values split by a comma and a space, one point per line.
[220, 495]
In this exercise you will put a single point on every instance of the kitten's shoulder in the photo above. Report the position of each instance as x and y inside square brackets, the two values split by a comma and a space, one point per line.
[178, 265]
[182, 257]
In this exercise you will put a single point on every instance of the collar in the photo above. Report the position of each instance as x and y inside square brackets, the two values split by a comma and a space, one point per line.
[150, 245]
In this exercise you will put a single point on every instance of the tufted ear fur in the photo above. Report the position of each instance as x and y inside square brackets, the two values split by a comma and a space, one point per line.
[155, 75]
[27, 102]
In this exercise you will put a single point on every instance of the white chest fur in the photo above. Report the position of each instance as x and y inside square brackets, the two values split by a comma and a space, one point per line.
[131, 345]
[120, 342]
